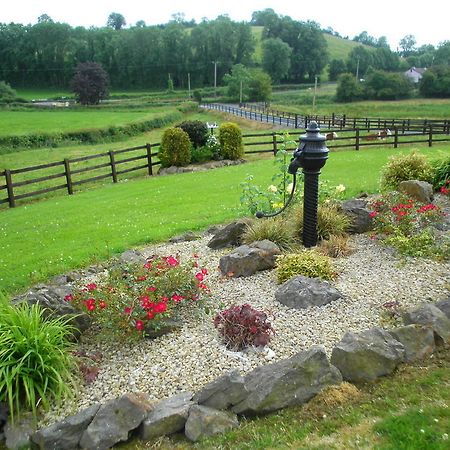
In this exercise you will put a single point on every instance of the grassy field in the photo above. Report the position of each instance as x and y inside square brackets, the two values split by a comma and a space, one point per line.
[339, 48]
[49, 237]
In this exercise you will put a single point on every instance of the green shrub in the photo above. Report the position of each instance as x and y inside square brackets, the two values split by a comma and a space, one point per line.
[330, 220]
[197, 95]
[201, 154]
[230, 138]
[36, 363]
[276, 230]
[7, 93]
[412, 166]
[196, 130]
[441, 172]
[308, 263]
[175, 148]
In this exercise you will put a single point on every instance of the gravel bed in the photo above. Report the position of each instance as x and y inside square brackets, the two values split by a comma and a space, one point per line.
[194, 356]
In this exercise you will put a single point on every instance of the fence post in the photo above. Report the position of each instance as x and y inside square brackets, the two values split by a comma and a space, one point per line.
[296, 120]
[274, 141]
[332, 118]
[149, 158]
[430, 136]
[112, 161]
[9, 188]
[344, 117]
[396, 137]
[68, 176]
[357, 139]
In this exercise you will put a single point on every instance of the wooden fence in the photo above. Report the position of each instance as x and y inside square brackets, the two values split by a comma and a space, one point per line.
[69, 172]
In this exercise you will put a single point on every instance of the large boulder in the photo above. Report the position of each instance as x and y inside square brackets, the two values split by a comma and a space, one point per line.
[230, 235]
[289, 382]
[359, 215]
[65, 435]
[204, 421]
[52, 299]
[225, 391]
[367, 355]
[301, 292]
[418, 190]
[113, 422]
[167, 417]
[418, 341]
[246, 260]
[432, 316]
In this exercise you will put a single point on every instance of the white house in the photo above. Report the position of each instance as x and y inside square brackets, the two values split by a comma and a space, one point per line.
[415, 73]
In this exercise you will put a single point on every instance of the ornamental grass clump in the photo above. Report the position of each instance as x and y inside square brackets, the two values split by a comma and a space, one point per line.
[308, 263]
[37, 367]
[335, 246]
[243, 326]
[136, 299]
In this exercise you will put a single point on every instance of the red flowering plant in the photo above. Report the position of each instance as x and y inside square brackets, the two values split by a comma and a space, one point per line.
[243, 326]
[133, 299]
[407, 224]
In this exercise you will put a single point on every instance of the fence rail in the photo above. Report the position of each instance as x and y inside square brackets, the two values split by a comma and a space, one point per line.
[112, 164]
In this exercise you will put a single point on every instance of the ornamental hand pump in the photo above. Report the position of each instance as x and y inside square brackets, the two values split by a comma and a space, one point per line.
[311, 155]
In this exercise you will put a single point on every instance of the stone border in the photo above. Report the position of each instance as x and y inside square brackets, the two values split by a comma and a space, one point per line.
[358, 357]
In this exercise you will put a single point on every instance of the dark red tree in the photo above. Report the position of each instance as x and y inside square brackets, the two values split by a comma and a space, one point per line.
[90, 83]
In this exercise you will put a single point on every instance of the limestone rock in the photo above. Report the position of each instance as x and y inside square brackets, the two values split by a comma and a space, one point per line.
[65, 435]
[204, 421]
[444, 306]
[288, 382]
[18, 436]
[223, 392]
[418, 190]
[301, 292]
[359, 214]
[230, 235]
[164, 327]
[132, 257]
[246, 260]
[185, 237]
[367, 355]
[167, 417]
[418, 341]
[431, 315]
[113, 421]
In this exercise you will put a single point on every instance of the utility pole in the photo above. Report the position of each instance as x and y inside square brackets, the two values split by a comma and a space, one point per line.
[189, 84]
[357, 69]
[314, 97]
[215, 78]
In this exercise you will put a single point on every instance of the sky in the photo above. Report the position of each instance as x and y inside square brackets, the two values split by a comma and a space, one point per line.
[428, 23]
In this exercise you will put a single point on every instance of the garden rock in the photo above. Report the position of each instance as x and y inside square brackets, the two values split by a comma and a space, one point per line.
[114, 420]
[367, 355]
[185, 237]
[301, 292]
[444, 306]
[418, 341]
[164, 327]
[359, 214]
[432, 316]
[65, 435]
[52, 299]
[18, 435]
[167, 417]
[246, 260]
[230, 235]
[418, 190]
[132, 257]
[289, 382]
[204, 421]
[225, 391]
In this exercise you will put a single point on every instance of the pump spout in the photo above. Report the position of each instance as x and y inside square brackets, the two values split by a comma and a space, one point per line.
[296, 162]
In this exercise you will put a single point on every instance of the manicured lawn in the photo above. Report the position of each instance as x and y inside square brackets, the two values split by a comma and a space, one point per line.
[48, 237]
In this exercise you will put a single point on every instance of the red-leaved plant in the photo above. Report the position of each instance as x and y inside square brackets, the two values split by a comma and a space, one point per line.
[243, 326]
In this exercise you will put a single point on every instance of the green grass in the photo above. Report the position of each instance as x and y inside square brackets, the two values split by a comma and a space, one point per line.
[257, 34]
[339, 48]
[60, 121]
[43, 94]
[49, 237]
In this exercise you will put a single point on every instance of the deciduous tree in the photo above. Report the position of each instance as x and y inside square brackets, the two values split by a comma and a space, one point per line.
[90, 83]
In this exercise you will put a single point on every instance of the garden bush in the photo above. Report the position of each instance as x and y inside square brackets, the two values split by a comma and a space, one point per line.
[441, 173]
[201, 154]
[276, 230]
[412, 166]
[134, 299]
[243, 326]
[7, 93]
[196, 130]
[36, 363]
[175, 149]
[230, 138]
[308, 263]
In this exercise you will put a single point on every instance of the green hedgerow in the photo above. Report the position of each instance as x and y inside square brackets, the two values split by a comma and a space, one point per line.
[412, 166]
[308, 263]
[230, 138]
[175, 148]
[36, 363]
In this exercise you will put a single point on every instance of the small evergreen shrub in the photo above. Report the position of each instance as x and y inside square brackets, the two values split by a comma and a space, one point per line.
[175, 149]
[441, 173]
[36, 361]
[196, 130]
[276, 230]
[243, 326]
[335, 246]
[201, 154]
[412, 166]
[230, 138]
[308, 263]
